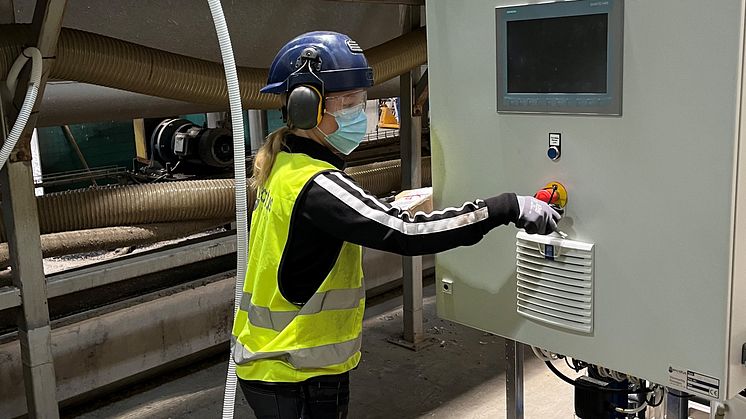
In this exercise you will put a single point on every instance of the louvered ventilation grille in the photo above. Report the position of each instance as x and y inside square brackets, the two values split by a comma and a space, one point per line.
[555, 281]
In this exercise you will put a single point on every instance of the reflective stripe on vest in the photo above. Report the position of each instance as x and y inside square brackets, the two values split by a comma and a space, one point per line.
[313, 357]
[339, 299]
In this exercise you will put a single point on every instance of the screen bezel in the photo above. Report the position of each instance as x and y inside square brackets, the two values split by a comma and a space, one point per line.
[609, 103]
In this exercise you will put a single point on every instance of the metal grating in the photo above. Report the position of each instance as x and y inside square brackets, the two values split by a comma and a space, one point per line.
[555, 281]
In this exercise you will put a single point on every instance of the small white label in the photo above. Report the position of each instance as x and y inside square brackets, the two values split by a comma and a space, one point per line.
[179, 145]
[555, 139]
[694, 382]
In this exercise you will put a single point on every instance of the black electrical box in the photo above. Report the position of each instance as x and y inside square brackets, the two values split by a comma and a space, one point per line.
[593, 400]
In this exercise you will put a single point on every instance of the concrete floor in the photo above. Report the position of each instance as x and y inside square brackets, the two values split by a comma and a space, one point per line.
[461, 376]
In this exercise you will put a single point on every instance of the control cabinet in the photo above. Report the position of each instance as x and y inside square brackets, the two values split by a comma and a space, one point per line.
[638, 112]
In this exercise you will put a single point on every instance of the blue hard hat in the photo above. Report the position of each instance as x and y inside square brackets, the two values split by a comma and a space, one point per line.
[333, 59]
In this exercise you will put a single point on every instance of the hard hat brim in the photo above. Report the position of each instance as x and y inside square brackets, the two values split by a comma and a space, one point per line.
[333, 81]
[276, 88]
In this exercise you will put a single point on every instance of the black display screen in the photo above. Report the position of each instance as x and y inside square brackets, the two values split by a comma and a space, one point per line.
[558, 55]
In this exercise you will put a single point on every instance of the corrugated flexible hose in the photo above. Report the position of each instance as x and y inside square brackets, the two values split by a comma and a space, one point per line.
[96, 59]
[192, 200]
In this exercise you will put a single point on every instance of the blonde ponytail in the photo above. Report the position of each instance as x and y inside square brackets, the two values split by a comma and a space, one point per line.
[265, 157]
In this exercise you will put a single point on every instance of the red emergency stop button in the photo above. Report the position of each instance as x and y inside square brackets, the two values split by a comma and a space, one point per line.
[547, 196]
[554, 193]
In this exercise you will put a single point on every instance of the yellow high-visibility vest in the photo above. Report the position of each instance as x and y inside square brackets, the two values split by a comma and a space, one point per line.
[273, 339]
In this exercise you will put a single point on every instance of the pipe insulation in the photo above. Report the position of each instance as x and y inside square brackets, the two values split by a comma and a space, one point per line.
[97, 59]
[109, 238]
[192, 200]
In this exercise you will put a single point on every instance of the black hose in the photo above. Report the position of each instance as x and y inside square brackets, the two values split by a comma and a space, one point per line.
[573, 383]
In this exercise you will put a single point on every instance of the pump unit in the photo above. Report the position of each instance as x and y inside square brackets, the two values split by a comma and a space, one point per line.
[637, 108]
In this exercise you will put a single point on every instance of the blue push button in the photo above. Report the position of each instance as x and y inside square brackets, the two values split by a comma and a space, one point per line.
[553, 153]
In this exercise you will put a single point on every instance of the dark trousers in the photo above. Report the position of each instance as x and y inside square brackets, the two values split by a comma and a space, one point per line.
[325, 397]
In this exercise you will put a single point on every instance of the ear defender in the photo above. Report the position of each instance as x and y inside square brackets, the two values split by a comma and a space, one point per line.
[305, 107]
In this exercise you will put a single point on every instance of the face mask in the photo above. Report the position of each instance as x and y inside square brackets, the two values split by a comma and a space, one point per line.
[351, 131]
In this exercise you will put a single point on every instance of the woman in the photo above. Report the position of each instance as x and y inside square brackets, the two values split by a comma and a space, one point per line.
[298, 331]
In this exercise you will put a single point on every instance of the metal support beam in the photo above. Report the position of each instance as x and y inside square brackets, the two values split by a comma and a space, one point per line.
[514, 379]
[257, 128]
[677, 404]
[74, 145]
[22, 226]
[421, 94]
[410, 133]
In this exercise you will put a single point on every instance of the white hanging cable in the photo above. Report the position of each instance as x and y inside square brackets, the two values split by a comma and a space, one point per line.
[239, 162]
[544, 355]
[28, 103]
[637, 409]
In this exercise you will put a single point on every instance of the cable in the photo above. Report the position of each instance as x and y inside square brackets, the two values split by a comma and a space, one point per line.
[572, 367]
[28, 102]
[633, 411]
[545, 355]
[660, 402]
[572, 382]
[540, 354]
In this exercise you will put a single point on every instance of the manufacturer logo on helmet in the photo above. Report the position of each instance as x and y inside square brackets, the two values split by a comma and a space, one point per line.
[353, 46]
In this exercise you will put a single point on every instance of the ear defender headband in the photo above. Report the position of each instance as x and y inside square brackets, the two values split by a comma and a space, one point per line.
[305, 100]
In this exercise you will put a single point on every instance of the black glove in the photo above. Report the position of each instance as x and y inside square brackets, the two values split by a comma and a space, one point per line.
[536, 217]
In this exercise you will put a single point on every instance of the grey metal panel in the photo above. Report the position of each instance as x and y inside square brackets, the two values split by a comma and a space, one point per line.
[652, 189]
[735, 360]
[9, 297]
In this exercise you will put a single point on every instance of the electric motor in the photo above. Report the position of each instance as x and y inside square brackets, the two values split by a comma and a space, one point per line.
[175, 140]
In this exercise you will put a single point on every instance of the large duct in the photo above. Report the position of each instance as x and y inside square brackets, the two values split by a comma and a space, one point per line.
[378, 178]
[96, 59]
[185, 201]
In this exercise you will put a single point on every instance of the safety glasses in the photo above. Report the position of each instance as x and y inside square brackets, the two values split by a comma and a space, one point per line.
[348, 103]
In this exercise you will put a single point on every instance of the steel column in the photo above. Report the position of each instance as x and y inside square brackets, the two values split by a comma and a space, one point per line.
[514, 379]
[677, 405]
[22, 226]
[410, 134]
[257, 128]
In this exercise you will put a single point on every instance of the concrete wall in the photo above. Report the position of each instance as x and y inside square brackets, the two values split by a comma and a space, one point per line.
[112, 347]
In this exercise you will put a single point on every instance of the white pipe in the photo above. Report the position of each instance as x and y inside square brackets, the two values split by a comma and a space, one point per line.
[239, 162]
[28, 102]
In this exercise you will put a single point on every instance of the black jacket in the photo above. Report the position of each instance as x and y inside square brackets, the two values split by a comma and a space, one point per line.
[332, 208]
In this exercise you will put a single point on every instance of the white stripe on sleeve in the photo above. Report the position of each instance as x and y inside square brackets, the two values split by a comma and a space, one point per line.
[396, 223]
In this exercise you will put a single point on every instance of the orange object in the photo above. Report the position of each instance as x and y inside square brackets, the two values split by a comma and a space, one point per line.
[387, 119]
